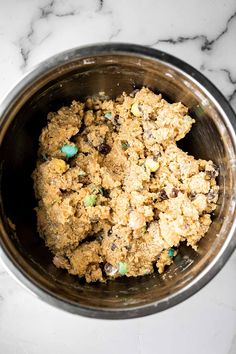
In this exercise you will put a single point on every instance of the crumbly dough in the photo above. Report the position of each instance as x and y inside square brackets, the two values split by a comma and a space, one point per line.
[127, 198]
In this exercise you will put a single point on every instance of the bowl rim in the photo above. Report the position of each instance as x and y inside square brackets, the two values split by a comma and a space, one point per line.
[227, 248]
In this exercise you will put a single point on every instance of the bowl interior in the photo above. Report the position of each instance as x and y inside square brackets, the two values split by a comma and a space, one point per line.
[210, 138]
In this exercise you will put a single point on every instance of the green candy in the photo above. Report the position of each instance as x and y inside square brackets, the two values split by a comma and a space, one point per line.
[90, 200]
[81, 173]
[69, 150]
[171, 252]
[188, 118]
[124, 145]
[122, 268]
[108, 115]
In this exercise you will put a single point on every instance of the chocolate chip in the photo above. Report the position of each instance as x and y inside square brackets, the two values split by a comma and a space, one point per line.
[109, 232]
[113, 246]
[128, 247]
[105, 192]
[214, 172]
[174, 193]
[211, 195]
[116, 128]
[104, 149]
[156, 215]
[65, 191]
[192, 195]
[156, 156]
[99, 237]
[210, 174]
[162, 195]
[116, 118]
[110, 269]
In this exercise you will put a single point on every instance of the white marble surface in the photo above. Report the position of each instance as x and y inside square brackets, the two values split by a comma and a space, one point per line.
[203, 33]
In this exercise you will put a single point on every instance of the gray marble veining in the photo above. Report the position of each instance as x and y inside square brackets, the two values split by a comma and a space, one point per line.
[203, 33]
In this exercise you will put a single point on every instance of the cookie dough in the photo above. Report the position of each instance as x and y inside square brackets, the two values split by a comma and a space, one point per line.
[116, 196]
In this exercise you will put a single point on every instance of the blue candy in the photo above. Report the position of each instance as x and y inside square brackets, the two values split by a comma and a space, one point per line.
[69, 150]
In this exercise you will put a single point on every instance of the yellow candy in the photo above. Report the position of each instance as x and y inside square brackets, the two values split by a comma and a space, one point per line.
[152, 165]
[60, 165]
[135, 110]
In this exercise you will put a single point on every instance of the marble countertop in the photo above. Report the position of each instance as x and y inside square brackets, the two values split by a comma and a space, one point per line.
[203, 33]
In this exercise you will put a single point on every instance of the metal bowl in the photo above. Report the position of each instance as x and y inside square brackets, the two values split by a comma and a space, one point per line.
[112, 68]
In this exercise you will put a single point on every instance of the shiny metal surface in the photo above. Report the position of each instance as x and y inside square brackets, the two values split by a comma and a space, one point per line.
[112, 68]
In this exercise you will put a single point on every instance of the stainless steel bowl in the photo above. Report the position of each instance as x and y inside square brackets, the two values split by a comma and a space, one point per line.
[112, 68]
